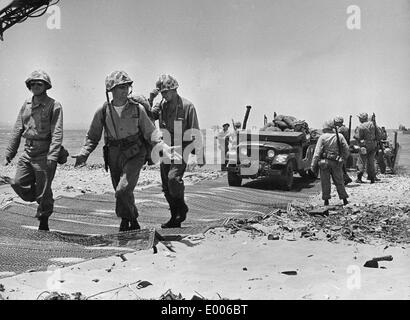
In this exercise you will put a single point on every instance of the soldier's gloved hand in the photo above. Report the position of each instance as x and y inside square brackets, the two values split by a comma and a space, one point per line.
[6, 161]
[80, 160]
[51, 164]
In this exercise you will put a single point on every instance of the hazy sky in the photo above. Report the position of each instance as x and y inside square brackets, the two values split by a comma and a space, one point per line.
[292, 57]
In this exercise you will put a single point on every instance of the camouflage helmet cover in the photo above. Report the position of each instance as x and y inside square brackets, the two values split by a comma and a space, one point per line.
[338, 119]
[116, 78]
[166, 82]
[363, 116]
[39, 75]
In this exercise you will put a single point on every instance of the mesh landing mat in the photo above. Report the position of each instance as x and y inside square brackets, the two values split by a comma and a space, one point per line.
[85, 227]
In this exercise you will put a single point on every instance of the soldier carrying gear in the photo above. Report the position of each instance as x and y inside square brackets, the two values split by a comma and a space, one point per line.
[331, 149]
[172, 110]
[338, 121]
[126, 126]
[365, 134]
[40, 122]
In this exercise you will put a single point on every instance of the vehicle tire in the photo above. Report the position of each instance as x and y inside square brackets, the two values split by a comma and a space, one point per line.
[234, 180]
[287, 177]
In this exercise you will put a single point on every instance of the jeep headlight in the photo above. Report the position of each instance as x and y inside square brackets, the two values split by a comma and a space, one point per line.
[271, 154]
[281, 158]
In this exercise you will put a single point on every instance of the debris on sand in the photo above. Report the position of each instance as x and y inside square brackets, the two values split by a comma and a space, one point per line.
[380, 223]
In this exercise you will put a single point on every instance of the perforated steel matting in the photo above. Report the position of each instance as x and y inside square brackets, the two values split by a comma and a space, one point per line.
[86, 227]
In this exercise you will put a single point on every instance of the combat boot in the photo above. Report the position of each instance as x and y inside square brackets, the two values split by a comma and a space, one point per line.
[326, 202]
[171, 223]
[43, 224]
[347, 180]
[345, 202]
[124, 225]
[181, 210]
[134, 225]
[359, 178]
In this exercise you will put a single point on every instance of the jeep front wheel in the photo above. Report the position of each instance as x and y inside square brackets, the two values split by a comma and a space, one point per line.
[234, 180]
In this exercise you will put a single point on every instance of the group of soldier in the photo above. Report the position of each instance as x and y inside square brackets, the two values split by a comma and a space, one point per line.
[332, 151]
[127, 121]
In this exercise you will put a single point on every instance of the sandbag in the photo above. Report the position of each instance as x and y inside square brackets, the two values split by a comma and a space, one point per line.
[281, 124]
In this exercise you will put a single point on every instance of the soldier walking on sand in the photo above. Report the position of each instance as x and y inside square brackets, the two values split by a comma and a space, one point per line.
[173, 109]
[127, 130]
[366, 136]
[338, 121]
[330, 152]
[40, 122]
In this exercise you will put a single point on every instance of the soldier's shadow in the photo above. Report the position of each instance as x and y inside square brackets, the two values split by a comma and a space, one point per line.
[268, 183]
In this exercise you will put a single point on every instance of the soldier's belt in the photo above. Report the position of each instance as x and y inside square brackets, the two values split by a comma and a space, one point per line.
[331, 156]
[126, 142]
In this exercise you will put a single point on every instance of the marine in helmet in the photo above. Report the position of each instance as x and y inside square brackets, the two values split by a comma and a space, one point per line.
[40, 122]
[338, 122]
[174, 109]
[127, 128]
[329, 160]
[365, 134]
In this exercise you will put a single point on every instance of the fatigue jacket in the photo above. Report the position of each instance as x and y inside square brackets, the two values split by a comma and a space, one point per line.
[134, 120]
[367, 135]
[184, 111]
[327, 143]
[42, 126]
[344, 131]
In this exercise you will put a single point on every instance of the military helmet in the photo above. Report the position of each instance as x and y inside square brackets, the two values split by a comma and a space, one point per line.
[39, 75]
[116, 78]
[338, 119]
[166, 82]
[328, 125]
[363, 116]
[237, 124]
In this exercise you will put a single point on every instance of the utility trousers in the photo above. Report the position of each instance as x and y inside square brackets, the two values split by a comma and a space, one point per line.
[32, 182]
[365, 162]
[332, 169]
[125, 173]
[172, 183]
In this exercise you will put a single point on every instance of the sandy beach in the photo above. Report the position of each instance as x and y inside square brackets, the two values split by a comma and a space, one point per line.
[240, 263]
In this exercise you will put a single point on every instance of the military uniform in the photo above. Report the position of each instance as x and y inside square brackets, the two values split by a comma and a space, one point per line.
[343, 130]
[330, 161]
[366, 135]
[41, 124]
[182, 111]
[124, 136]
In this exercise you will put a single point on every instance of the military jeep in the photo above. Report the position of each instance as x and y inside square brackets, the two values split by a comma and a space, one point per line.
[275, 154]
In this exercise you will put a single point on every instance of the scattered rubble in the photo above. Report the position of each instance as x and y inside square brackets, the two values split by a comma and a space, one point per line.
[388, 224]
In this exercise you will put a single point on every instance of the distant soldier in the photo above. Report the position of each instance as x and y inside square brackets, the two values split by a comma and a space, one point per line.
[173, 109]
[223, 140]
[40, 122]
[338, 121]
[330, 151]
[126, 127]
[366, 136]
